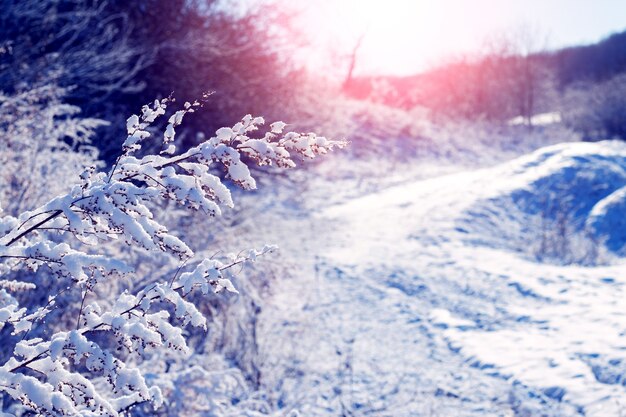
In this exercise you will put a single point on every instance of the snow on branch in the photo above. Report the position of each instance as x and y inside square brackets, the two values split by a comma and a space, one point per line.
[87, 370]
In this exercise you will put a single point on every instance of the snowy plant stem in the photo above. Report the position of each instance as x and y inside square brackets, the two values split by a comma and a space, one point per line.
[36, 226]
[127, 311]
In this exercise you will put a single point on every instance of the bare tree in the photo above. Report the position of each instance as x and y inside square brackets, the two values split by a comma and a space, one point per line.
[352, 59]
[533, 79]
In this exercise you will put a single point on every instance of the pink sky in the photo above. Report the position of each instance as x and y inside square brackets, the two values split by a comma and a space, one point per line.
[405, 36]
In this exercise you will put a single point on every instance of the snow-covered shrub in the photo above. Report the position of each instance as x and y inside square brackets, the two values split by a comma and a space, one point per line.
[85, 44]
[94, 366]
[43, 141]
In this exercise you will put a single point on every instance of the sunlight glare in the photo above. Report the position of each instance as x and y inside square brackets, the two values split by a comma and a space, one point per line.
[398, 34]
[393, 30]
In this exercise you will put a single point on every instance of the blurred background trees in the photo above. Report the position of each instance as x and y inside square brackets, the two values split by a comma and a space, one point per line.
[113, 56]
[514, 78]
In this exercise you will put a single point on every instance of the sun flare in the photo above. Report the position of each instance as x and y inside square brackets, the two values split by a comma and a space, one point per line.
[404, 36]
[392, 30]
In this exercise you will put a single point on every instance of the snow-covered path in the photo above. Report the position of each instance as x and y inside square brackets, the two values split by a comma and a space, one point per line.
[394, 313]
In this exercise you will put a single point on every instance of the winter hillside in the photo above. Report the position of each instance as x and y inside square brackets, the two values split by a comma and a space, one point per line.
[429, 297]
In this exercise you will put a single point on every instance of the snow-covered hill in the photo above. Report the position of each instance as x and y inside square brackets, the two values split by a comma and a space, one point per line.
[457, 295]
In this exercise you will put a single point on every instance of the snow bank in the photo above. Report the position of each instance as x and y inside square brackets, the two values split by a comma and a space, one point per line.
[563, 204]
[417, 301]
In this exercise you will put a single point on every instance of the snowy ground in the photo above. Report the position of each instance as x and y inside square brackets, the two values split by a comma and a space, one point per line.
[399, 306]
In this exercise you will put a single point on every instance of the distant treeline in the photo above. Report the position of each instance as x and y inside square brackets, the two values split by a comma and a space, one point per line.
[590, 63]
[513, 77]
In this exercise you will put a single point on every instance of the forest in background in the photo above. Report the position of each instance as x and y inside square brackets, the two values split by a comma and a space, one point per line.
[515, 75]
[111, 57]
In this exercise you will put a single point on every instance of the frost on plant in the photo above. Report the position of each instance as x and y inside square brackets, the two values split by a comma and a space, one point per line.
[92, 367]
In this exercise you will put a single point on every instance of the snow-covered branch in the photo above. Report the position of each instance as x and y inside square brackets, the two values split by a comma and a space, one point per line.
[86, 370]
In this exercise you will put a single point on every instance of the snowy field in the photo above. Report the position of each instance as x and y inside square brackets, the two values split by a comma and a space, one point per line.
[496, 291]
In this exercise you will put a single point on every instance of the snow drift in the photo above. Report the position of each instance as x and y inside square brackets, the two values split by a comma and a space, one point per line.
[563, 204]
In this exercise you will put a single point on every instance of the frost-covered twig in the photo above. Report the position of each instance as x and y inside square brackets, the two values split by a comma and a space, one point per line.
[66, 373]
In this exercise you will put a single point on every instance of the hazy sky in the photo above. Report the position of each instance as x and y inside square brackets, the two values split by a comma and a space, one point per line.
[404, 36]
